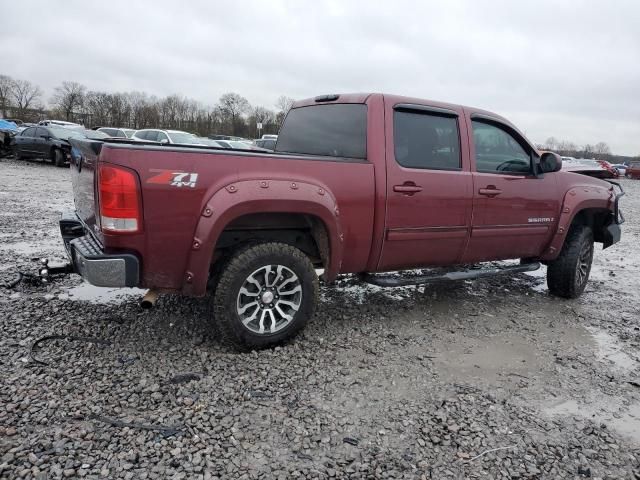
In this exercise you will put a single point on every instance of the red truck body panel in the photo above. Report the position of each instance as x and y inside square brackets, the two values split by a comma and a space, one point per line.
[373, 223]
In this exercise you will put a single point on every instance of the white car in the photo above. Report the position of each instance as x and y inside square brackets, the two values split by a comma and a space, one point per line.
[166, 136]
[117, 132]
[59, 123]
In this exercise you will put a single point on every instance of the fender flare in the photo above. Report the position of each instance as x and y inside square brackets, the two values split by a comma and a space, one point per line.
[260, 196]
[576, 200]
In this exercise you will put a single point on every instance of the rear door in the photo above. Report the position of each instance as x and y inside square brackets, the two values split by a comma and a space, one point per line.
[514, 211]
[428, 211]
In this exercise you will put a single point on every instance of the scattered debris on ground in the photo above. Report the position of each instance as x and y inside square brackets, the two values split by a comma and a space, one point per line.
[485, 379]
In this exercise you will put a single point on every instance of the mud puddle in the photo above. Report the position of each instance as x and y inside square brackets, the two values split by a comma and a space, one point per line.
[609, 411]
[609, 350]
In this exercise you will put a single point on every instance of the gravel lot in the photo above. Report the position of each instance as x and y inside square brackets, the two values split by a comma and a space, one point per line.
[484, 379]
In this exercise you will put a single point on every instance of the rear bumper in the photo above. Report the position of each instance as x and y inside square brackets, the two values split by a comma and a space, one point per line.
[91, 262]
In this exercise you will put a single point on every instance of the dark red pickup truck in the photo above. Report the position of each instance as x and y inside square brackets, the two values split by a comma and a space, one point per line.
[360, 183]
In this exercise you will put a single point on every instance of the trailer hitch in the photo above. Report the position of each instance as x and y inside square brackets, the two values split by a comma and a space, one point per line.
[46, 271]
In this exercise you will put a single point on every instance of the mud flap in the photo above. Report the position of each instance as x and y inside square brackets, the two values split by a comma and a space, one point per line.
[611, 235]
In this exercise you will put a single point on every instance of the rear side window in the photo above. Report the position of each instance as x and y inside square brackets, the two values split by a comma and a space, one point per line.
[425, 140]
[497, 151]
[338, 130]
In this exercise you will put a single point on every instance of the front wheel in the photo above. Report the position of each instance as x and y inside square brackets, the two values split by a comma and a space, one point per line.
[568, 274]
[265, 294]
[58, 158]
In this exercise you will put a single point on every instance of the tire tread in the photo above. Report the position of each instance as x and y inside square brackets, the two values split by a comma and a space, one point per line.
[223, 294]
[561, 272]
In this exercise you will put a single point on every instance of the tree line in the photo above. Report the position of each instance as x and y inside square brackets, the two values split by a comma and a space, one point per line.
[74, 102]
[600, 150]
[231, 115]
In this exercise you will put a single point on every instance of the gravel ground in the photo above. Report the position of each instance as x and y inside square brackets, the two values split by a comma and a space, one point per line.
[485, 379]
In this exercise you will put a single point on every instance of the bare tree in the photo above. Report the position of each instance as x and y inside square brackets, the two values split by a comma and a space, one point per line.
[26, 95]
[284, 103]
[6, 88]
[587, 150]
[565, 146]
[551, 143]
[232, 106]
[69, 97]
[601, 148]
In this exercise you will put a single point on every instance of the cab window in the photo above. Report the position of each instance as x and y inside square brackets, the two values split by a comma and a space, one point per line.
[497, 151]
[426, 140]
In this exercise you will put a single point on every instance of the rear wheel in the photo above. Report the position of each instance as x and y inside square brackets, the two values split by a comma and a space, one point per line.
[265, 294]
[568, 274]
[58, 158]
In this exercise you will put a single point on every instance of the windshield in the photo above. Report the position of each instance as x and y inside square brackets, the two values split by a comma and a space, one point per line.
[182, 137]
[65, 133]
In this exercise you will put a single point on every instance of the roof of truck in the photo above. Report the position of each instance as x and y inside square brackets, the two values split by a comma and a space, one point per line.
[399, 99]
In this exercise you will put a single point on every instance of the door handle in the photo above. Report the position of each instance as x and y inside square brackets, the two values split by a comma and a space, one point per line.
[490, 191]
[407, 188]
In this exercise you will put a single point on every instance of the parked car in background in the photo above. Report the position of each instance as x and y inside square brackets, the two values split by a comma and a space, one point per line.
[50, 142]
[621, 169]
[633, 170]
[117, 132]
[8, 131]
[238, 145]
[166, 136]
[266, 143]
[208, 142]
[592, 168]
[59, 123]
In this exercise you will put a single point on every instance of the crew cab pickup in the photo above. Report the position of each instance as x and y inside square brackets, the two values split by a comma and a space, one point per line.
[358, 183]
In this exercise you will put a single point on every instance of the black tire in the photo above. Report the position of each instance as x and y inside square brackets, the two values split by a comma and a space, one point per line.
[16, 154]
[235, 274]
[58, 157]
[567, 275]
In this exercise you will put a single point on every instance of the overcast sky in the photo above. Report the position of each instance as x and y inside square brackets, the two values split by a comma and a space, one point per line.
[570, 69]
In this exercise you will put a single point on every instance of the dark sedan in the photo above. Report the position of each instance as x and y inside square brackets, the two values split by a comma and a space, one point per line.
[50, 143]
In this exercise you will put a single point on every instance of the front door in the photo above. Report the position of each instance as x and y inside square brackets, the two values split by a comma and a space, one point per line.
[429, 187]
[42, 143]
[514, 211]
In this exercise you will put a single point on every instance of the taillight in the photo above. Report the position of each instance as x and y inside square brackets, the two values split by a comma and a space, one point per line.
[119, 199]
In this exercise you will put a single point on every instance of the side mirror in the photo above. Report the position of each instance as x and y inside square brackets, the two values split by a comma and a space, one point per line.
[550, 162]
[164, 140]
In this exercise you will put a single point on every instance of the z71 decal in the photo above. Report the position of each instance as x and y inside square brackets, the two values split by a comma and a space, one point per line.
[174, 179]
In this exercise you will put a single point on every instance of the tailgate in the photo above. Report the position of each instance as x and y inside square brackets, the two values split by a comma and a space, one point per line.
[84, 159]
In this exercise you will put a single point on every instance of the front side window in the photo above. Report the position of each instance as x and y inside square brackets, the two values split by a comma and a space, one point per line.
[29, 132]
[337, 130]
[43, 132]
[426, 140]
[497, 151]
